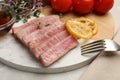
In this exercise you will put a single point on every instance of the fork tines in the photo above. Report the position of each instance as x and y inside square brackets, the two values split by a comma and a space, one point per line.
[93, 47]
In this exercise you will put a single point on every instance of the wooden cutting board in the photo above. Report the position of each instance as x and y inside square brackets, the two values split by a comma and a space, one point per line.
[105, 22]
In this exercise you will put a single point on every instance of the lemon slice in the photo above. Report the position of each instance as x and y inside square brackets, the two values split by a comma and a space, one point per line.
[82, 27]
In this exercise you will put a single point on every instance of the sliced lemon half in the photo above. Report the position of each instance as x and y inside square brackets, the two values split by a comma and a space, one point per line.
[82, 27]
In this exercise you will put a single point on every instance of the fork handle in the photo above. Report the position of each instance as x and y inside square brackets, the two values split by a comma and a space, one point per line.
[117, 37]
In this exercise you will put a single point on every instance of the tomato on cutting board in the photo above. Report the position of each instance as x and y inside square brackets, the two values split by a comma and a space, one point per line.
[61, 6]
[83, 6]
[103, 6]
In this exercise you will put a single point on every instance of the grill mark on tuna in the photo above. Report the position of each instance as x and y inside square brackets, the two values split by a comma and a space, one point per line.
[44, 37]
[40, 32]
[43, 47]
[58, 50]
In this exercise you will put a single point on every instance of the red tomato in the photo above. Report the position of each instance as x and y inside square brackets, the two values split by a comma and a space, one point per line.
[103, 6]
[83, 6]
[61, 6]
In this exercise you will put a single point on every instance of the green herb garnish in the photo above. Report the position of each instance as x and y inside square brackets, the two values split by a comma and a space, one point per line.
[24, 20]
[40, 25]
[47, 25]
[37, 13]
[60, 15]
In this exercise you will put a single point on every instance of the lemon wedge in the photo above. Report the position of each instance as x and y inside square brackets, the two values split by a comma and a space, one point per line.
[82, 27]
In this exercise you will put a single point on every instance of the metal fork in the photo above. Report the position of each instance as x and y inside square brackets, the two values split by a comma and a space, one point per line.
[100, 45]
